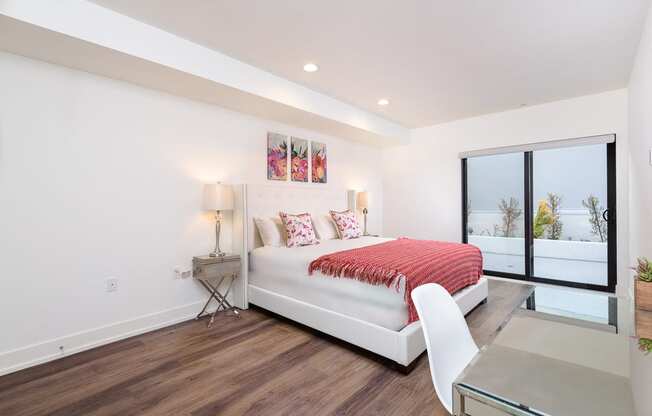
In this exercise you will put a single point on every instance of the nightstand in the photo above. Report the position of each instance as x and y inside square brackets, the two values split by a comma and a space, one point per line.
[211, 273]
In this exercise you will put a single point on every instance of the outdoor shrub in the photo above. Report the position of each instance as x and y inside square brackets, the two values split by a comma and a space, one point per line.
[542, 219]
[511, 214]
[598, 224]
[555, 229]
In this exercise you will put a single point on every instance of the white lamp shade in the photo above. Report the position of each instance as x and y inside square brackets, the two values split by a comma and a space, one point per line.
[217, 197]
[363, 200]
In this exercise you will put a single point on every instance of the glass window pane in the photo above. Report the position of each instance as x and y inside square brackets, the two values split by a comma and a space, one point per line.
[570, 200]
[495, 210]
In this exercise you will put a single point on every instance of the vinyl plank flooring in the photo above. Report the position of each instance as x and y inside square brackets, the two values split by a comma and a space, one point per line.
[257, 364]
[319, 392]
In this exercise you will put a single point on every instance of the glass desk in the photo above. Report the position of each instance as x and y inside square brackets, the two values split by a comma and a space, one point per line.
[562, 353]
[580, 308]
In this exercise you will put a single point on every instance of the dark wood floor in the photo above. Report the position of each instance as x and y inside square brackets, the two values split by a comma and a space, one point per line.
[255, 365]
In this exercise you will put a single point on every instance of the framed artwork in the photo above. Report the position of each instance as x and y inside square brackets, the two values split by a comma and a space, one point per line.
[277, 157]
[299, 160]
[319, 165]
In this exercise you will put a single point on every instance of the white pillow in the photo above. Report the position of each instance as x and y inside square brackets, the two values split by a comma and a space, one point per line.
[271, 231]
[325, 227]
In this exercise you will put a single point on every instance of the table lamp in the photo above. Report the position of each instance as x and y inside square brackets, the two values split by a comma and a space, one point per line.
[363, 203]
[217, 197]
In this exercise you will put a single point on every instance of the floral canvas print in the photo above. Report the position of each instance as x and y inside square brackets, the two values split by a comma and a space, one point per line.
[277, 157]
[318, 156]
[299, 160]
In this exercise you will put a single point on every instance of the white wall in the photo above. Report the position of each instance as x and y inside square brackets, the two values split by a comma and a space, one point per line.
[640, 133]
[102, 178]
[422, 181]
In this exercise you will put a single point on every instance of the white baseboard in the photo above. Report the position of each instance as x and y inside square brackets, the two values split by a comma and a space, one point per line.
[42, 352]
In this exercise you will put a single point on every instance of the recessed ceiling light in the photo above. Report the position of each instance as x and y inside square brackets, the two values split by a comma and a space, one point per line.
[310, 67]
[383, 101]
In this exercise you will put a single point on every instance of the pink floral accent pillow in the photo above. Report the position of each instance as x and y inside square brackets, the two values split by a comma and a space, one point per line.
[299, 229]
[347, 224]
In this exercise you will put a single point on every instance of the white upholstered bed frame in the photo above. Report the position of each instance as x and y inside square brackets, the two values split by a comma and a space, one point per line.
[266, 201]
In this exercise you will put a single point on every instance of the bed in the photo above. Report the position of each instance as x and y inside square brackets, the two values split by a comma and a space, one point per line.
[276, 279]
[284, 271]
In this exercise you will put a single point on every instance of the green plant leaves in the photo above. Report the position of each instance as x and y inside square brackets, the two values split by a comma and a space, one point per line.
[644, 270]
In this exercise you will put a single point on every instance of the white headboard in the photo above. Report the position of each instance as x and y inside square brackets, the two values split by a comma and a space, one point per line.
[267, 200]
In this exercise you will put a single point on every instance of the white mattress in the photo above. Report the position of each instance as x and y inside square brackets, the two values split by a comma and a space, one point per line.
[285, 271]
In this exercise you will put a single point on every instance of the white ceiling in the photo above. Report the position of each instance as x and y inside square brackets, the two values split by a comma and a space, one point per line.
[435, 60]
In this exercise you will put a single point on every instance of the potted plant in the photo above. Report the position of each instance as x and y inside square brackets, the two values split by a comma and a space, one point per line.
[644, 285]
[645, 345]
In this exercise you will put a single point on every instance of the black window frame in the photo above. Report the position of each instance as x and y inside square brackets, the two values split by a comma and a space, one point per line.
[528, 174]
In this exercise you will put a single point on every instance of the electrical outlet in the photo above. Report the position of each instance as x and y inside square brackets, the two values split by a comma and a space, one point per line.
[111, 284]
[181, 273]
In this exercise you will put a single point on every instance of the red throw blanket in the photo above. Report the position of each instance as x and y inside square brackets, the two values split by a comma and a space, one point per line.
[452, 265]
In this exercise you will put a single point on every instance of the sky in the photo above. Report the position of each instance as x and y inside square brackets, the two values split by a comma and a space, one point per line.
[573, 173]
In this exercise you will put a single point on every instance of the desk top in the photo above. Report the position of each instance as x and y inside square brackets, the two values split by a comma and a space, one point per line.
[547, 385]
[557, 364]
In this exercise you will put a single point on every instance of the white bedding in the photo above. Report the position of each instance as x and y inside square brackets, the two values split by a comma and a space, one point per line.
[285, 271]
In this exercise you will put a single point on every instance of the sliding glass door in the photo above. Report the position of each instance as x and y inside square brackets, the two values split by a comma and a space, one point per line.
[544, 215]
[495, 211]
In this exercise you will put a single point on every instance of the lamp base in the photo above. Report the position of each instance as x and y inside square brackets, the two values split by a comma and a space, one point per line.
[217, 252]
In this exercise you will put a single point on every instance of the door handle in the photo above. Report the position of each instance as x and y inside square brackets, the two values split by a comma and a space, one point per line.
[605, 215]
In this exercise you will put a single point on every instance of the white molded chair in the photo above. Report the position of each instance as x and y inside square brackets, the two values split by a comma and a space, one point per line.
[448, 340]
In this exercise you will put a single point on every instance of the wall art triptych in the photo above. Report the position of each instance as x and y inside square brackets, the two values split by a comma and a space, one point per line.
[305, 161]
